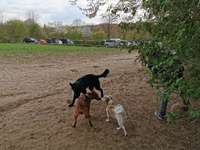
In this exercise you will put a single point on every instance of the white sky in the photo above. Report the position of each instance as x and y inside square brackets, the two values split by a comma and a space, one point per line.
[47, 10]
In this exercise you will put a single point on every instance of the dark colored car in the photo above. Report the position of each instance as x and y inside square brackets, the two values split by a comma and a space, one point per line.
[67, 41]
[56, 41]
[29, 40]
[49, 41]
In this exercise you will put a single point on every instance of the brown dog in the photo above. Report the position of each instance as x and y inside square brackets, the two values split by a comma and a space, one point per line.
[83, 106]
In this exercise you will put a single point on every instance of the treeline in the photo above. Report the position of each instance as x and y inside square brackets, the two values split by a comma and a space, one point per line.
[15, 30]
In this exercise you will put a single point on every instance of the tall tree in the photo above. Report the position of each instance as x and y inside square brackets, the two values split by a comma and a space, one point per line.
[32, 17]
[175, 44]
[16, 30]
[36, 31]
[1, 17]
[109, 18]
[91, 8]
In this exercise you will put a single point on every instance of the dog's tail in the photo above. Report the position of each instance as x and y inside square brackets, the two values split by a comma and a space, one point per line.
[104, 74]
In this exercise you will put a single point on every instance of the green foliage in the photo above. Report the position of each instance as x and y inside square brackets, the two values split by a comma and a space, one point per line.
[172, 117]
[14, 31]
[74, 34]
[36, 31]
[98, 34]
[132, 31]
[3, 33]
[194, 113]
[173, 55]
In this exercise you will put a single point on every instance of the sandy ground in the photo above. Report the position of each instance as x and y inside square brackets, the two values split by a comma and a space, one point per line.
[34, 112]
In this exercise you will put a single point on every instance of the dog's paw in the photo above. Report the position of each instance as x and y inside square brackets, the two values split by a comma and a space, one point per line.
[71, 105]
[118, 128]
[107, 120]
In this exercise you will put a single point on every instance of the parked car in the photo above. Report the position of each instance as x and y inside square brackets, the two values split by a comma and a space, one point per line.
[49, 41]
[56, 41]
[132, 43]
[67, 41]
[30, 40]
[112, 43]
[123, 43]
[42, 41]
[70, 42]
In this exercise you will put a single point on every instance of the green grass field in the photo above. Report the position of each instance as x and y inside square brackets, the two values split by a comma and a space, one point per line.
[17, 49]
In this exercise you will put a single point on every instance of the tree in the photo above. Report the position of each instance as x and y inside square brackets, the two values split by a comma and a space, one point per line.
[16, 30]
[114, 13]
[1, 17]
[175, 44]
[109, 19]
[77, 23]
[176, 34]
[98, 34]
[92, 6]
[74, 34]
[34, 28]
[32, 17]
[117, 7]
[36, 31]
[3, 35]
[48, 30]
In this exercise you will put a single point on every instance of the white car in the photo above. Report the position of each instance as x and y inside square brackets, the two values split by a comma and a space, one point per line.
[132, 43]
[112, 43]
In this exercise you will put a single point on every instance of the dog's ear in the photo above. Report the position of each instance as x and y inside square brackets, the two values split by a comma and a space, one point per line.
[87, 90]
[110, 96]
[71, 84]
[106, 98]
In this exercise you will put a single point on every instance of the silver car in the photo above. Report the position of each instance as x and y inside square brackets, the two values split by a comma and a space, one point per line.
[112, 43]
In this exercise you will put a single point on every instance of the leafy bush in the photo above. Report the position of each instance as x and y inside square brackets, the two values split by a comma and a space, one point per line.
[173, 55]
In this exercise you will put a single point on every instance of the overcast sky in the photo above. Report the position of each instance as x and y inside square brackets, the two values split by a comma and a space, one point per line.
[47, 10]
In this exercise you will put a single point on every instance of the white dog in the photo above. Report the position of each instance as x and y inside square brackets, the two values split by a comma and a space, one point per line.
[118, 111]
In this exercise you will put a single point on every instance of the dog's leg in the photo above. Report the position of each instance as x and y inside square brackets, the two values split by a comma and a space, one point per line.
[119, 118]
[73, 101]
[99, 89]
[88, 117]
[107, 113]
[124, 129]
[75, 121]
[90, 123]
[91, 88]
[119, 121]
[76, 95]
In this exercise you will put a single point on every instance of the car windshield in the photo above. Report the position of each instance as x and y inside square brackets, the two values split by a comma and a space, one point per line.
[110, 40]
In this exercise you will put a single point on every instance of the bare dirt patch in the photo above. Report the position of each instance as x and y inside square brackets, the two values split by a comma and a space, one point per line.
[34, 112]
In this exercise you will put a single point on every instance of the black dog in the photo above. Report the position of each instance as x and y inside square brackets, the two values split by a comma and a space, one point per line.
[90, 81]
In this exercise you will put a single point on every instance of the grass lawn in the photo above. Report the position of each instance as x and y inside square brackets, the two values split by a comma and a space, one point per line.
[19, 48]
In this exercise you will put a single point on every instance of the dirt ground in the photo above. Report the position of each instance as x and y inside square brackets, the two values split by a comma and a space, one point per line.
[34, 112]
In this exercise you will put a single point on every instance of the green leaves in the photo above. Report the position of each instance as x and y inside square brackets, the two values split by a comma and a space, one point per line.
[194, 113]
[173, 57]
